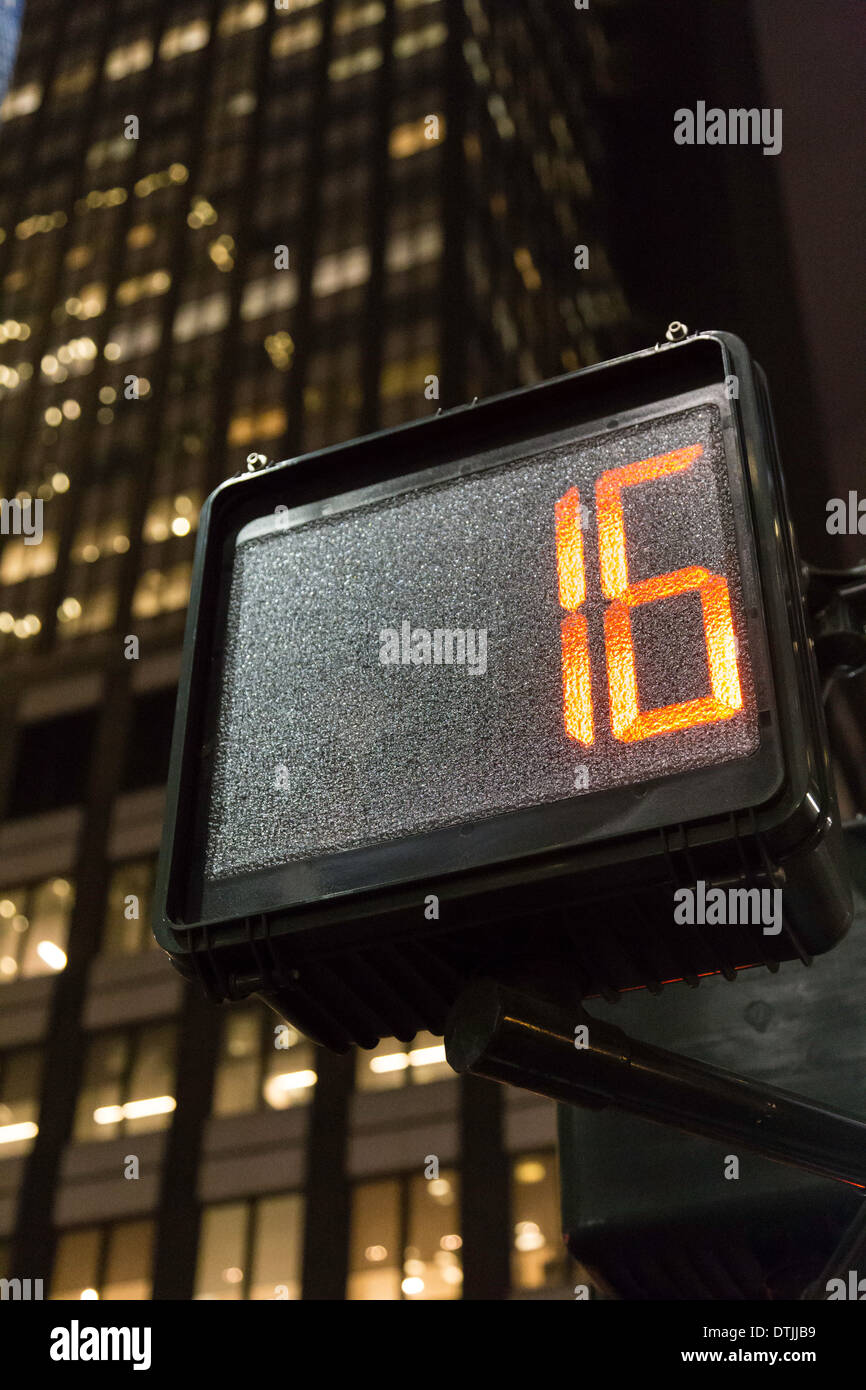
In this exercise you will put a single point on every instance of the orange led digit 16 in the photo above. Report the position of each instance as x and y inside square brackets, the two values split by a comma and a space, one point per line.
[628, 722]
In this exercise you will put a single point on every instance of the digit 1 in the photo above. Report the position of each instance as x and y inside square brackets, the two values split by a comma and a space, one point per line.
[576, 682]
[628, 722]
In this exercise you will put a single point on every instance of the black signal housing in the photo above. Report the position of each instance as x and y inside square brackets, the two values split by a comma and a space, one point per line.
[374, 940]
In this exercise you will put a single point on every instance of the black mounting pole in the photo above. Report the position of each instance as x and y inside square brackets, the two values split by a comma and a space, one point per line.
[498, 1032]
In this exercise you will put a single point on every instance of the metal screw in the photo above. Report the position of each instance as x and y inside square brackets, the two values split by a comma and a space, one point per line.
[676, 332]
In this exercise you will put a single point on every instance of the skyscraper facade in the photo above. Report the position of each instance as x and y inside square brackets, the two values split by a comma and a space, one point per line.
[232, 230]
[10, 23]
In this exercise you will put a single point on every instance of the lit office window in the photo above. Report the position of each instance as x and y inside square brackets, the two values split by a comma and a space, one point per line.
[107, 152]
[34, 924]
[20, 626]
[251, 1250]
[127, 916]
[161, 178]
[185, 38]
[236, 1086]
[414, 136]
[201, 316]
[277, 1247]
[143, 234]
[13, 378]
[162, 591]
[22, 559]
[172, 516]
[45, 944]
[247, 15]
[40, 223]
[277, 1233]
[101, 198]
[405, 1241]
[103, 1087]
[408, 378]
[354, 64]
[342, 271]
[276, 291]
[150, 1081]
[221, 1252]
[432, 1266]
[128, 1082]
[109, 1263]
[97, 540]
[296, 38]
[153, 284]
[253, 428]
[129, 58]
[374, 1259]
[351, 17]
[75, 357]
[13, 330]
[20, 1078]
[17, 625]
[262, 1065]
[537, 1258]
[104, 152]
[91, 612]
[135, 339]
[289, 1076]
[20, 101]
[414, 247]
[89, 301]
[280, 347]
[419, 40]
[76, 1264]
[128, 1262]
[394, 1064]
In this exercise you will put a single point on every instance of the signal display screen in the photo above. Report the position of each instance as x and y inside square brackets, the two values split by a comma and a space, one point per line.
[522, 633]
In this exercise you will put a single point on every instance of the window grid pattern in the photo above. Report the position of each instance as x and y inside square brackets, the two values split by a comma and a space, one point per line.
[88, 239]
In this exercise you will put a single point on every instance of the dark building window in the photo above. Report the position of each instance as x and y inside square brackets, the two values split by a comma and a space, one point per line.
[149, 740]
[52, 764]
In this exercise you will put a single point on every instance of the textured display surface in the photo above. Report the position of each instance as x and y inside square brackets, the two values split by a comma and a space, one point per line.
[321, 746]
